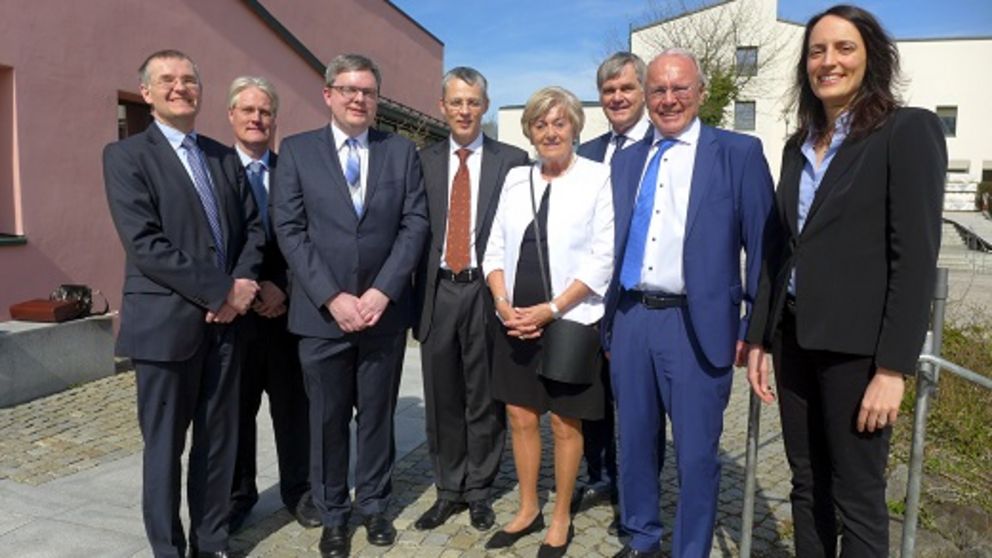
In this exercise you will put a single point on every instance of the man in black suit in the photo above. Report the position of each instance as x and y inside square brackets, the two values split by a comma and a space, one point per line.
[620, 81]
[271, 363]
[349, 214]
[463, 176]
[193, 241]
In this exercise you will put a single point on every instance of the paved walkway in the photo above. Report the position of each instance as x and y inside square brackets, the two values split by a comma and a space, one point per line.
[70, 478]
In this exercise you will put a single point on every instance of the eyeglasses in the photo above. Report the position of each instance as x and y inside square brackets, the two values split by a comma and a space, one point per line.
[457, 104]
[168, 82]
[681, 92]
[349, 92]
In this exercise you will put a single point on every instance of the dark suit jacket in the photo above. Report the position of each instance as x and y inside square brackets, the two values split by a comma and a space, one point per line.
[170, 278]
[330, 249]
[497, 159]
[729, 204]
[595, 148]
[865, 259]
[273, 263]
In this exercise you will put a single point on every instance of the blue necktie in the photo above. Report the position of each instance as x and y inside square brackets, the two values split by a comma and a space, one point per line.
[353, 174]
[256, 179]
[633, 256]
[201, 183]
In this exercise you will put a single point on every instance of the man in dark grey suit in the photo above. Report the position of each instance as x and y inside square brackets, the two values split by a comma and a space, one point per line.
[193, 241]
[271, 363]
[463, 176]
[350, 216]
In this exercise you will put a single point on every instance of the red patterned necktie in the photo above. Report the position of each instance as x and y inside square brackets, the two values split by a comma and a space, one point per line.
[456, 253]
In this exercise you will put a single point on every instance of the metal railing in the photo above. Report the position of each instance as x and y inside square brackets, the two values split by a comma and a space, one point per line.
[929, 366]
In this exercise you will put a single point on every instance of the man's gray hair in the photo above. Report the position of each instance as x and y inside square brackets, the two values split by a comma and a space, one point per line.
[169, 53]
[612, 66]
[351, 63]
[470, 76]
[675, 51]
[244, 82]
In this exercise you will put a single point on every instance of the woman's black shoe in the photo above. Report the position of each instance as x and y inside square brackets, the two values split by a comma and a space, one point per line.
[503, 539]
[548, 551]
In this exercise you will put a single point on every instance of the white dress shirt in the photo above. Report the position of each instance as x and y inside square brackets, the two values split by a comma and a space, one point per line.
[635, 134]
[357, 194]
[175, 139]
[474, 164]
[247, 160]
[662, 268]
[580, 231]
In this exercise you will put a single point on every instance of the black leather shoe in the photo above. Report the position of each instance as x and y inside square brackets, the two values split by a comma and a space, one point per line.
[627, 552]
[306, 513]
[335, 542]
[438, 513]
[589, 497]
[504, 539]
[379, 530]
[548, 551]
[481, 514]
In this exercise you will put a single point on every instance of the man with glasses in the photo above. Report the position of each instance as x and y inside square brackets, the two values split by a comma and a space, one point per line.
[463, 177]
[193, 239]
[687, 202]
[349, 213]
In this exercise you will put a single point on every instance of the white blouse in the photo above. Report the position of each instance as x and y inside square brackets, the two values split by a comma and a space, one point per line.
[580, 231]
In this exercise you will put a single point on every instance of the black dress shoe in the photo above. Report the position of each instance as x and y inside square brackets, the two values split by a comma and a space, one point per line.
[379, 530]
[589, 497]
[481, 514]
[627, 552]
[306, 513]
[438, 513]
[504, 539]
[335, 542]
[548, 551]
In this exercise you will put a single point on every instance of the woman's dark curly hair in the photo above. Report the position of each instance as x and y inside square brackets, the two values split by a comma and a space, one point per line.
[874, 101]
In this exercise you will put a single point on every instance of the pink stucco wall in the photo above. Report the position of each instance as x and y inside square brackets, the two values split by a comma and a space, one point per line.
[69, 60]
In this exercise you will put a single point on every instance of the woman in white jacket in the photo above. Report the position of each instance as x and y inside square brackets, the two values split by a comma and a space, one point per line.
[575, 232]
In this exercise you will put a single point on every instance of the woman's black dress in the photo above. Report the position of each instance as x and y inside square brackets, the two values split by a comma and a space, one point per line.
[515, 380]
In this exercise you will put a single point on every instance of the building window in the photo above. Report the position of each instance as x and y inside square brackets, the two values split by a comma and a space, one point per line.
[133, 114]
[9, 225]
[949, 118]
[747, 61]
[744, 115]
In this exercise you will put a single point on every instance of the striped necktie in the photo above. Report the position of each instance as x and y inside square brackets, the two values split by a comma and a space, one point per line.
[353, 175]
[201, 183]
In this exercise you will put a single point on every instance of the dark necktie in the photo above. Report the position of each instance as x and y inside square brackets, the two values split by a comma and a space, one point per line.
[618, 141]
[201, 183]
[633, 255]
[256, 178]
[456, 253]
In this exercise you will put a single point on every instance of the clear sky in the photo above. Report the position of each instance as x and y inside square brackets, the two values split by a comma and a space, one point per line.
[522, 45]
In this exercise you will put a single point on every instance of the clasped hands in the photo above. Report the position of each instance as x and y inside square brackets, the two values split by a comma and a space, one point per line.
[354, 313]
[238, 301]
[524, 323]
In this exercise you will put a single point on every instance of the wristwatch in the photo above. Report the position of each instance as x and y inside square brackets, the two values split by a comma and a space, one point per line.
[555, 312]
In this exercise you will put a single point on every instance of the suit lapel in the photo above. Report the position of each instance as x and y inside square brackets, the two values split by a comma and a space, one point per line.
[788, 188]
[435, 160]
[174, 168]
[328, 153]
[702, 170]
[378, 152]
[488, 183]
[222, 192]
[626, 181]
[840, 166]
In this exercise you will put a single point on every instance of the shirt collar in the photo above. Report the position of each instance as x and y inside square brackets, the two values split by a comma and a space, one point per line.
[842, 127]
[173, 136]
[246, 158]
[473, 146]
[341, 137]
[689, 136]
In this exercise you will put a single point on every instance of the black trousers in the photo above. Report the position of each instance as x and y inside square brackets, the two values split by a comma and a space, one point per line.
[201, 391]
[599, 441]
[465, 426]
[271, 365]
[833, 466]
[358, 375]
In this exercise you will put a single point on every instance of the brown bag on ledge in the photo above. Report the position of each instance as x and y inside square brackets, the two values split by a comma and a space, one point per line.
[42, 310]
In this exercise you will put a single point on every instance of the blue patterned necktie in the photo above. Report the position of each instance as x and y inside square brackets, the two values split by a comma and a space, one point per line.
[633, 255]
[201, 183]
[353, 174]
[256, 179]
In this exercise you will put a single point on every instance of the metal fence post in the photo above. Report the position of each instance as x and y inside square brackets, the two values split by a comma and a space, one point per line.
[750, 474]
[926, 382]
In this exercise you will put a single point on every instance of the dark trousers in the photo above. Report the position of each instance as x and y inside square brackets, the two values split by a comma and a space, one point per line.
[271, 365]
[358, 375]
[464, 424]
[172, 395]
[832, 464]
[659, 369]
[599, 442]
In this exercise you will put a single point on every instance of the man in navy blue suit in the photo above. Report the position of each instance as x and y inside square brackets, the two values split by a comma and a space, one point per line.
[687, 201]
[620, 81]
[350, 215]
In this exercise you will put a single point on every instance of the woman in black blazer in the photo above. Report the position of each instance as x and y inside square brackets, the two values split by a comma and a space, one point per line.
[849, 273]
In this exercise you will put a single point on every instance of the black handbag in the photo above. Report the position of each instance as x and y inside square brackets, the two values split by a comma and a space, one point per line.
[81, 296]
[569, 350]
